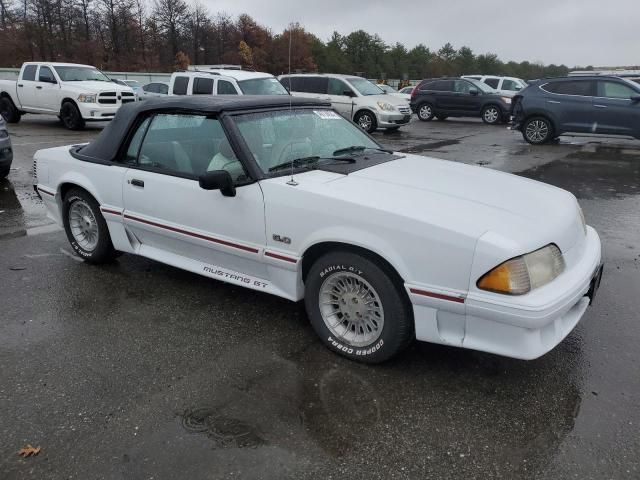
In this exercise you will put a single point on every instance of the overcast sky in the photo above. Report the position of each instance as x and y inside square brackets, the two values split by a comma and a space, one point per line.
[573, 32]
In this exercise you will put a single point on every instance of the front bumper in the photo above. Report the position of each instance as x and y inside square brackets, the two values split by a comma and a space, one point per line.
[97, 112]
[523, 327]
[389, 120]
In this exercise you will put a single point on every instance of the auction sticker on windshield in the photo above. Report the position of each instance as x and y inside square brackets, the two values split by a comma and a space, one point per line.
[327, 114]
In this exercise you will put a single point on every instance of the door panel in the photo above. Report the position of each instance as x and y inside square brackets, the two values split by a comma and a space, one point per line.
[166, 210]
[175, 215]
[46, 93]
[342, 103]
[614, 111]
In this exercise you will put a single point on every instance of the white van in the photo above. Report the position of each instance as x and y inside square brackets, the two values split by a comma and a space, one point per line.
[355, 98]
[222, 81]
[507, 86]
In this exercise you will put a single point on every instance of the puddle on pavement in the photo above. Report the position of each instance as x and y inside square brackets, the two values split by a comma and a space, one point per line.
[225, 432]
[12, 221]
[593, 172]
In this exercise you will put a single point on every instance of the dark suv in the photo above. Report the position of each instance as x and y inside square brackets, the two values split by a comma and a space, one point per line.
[459, 97]
[598, 104]
[6, 153]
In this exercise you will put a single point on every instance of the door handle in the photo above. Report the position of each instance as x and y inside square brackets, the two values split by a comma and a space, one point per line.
[600, 106]
[20, 85]
[39, 87]
[137, 183]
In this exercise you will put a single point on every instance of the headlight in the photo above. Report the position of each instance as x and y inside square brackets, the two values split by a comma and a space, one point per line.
[87, 98]
[506, 100]
[525, 273]
[386, 106]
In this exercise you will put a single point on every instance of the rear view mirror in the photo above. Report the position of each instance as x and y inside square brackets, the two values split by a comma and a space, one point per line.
[473, 91]
[218, 180]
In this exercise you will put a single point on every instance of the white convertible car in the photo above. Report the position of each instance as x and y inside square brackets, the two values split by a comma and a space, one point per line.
[285, 196]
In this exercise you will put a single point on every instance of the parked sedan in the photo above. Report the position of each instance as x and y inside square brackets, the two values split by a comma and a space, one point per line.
[153, 89]
[6, 152]
[595, 104]
[459, 97]
[285, 196]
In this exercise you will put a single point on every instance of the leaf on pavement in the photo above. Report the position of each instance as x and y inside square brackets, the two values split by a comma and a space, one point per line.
[28, 451]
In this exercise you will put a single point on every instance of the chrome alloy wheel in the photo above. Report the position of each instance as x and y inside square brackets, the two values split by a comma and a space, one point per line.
[491, 115]
[425, 111]
[537, 131]
[83, 225]
[351, 309]
[365, 121]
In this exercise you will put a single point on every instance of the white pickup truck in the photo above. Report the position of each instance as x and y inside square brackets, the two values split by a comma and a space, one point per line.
[75, 93]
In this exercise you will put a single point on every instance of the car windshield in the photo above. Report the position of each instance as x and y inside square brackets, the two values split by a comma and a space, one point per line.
[282, 136]
[81, 74]
[483, 87]
[364, 86]
[262, 86]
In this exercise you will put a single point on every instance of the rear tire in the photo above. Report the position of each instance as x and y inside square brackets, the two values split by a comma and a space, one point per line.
[537, 130]
[425, 112]
[366, 121]
[71, 117]
[9, 111]
[357, 308]
[86, 228]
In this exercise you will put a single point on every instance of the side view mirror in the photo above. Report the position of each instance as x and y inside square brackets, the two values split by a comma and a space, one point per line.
[635, 98]
[518, 87]
[218, 180]
[473, 91]
[348, 93]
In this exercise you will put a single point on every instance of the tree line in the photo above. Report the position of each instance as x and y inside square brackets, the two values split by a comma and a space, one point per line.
[130, 35]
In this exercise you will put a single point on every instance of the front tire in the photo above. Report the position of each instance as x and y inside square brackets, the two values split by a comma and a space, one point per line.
[491, 115]
[537, 130]
[357, 308]
[71, 117]
[86, 228]
[366, 121]
[425, 112]
[4, 172]
[9, 111]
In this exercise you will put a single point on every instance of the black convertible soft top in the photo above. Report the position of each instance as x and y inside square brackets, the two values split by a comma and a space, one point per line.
[105, 147]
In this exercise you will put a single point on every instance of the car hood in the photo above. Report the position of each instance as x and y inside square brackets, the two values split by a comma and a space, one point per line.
[388, 98]
[97, 87]
[467, 199]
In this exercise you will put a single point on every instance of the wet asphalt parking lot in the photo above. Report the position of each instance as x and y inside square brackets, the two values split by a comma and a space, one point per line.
[137, 370]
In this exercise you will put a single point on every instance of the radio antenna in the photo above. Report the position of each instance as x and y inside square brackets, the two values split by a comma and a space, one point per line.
[291, 181]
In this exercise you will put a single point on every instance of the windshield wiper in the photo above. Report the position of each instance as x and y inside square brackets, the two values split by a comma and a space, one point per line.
[299, 162]
[358, 148]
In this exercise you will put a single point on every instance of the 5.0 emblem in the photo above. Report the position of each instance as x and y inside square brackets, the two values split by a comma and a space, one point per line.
[279, 238]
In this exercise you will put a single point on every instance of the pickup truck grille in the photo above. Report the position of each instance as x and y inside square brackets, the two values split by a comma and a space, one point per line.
[128, 97]
[113, 98]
